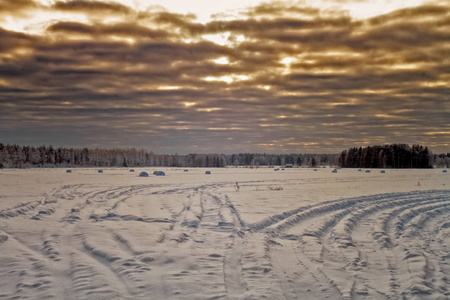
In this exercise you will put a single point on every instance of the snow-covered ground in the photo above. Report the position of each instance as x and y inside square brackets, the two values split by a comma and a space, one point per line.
[292, 234]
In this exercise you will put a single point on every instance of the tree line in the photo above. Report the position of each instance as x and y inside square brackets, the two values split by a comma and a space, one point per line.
[442, 160]
[15, 156]
[387, 156]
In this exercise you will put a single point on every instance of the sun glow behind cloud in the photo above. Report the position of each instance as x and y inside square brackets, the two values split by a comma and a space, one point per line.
[228, 78]
[204, 9]
[36, 21]
[221, 61]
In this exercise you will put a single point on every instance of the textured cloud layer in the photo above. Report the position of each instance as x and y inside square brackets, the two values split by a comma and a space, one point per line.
[280, 78]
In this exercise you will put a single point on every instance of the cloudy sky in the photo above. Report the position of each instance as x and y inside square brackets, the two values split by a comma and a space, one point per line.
[225, 76]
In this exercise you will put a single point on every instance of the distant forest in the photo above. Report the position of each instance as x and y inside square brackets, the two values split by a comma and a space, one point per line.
[387, 156]
[392, 156]
[14, 156]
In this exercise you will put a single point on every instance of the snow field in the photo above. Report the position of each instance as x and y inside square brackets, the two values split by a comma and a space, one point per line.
[187, 235]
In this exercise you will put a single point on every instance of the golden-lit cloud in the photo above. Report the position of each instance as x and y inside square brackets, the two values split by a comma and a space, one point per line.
[279, 76]
[16, 7]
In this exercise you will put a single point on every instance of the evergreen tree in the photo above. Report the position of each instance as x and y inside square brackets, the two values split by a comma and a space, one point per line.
[387, 156]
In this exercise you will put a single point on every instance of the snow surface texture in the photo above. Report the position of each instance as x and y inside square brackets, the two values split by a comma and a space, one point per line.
[293, 234]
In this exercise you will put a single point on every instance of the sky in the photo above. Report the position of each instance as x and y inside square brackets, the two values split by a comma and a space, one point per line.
[231, 76]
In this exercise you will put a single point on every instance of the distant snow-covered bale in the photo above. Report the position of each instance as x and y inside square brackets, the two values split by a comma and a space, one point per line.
[208, 172]
[143, 174]
[68, 171]
[159, 173]
[186, 170]
[100, 171]
[132, 170]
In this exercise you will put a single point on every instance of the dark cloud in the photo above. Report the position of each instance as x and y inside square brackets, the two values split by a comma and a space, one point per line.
[185, 22]
[152, 79]
[120, 29]
[16, 7]
[279, 8]
[402, 15]
[72, 27]
[10, 40]
[97, 7]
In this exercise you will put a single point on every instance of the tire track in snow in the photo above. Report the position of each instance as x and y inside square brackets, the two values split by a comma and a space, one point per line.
[386, 246]
[343, 233]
